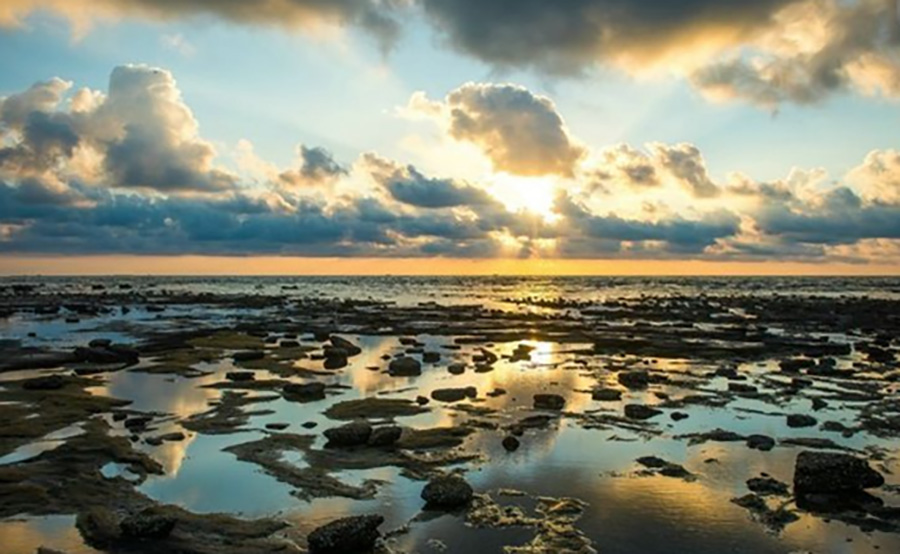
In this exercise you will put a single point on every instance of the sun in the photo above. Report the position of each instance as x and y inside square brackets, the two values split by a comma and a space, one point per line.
[531, 194]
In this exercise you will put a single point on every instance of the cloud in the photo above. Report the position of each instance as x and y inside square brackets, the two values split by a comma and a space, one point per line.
[141, 133]
[317, 167]
[878, 177]
[811, 50]
[519, 131]
[566, 37]
[685, 163]
[374, 16]
[409, 186]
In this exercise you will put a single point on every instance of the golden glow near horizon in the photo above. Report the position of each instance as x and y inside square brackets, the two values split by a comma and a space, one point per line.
[288, 266]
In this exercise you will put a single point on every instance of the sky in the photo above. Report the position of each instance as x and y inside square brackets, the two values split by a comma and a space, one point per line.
[450, 136]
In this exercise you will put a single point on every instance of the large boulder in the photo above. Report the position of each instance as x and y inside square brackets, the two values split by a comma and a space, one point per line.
[405, 367]
[355, 433]
[447, 492]
[348, 347]
[640, 411]
[346, 535]
[385, 436]
[634, 379]
[831, 473]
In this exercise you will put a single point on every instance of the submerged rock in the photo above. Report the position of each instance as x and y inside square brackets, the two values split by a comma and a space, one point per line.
[405, 367]
[346, 535]
[830, 473]
[447, 492]
[549, 402]
[355, 433]
[248, 355]
[606, 395]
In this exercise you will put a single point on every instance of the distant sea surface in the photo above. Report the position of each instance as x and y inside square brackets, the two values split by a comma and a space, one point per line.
[469, 289]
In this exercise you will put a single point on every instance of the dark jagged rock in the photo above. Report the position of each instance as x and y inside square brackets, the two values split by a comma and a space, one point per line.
[640, 411]
[385, 436]
[634, 379]
[830, 473]
[355, 433]
[147, 525]
[767, 486]
[346, 535]
[405, 367]
[760, 442]
[447, 492]
[511, 443]
[549, 402]
[248, 355]
[800, 420]
[304, 392]
[454, 395]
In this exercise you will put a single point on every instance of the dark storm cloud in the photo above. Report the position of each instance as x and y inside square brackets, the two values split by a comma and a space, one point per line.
[408, 185]
[839, 217]
[566, 36]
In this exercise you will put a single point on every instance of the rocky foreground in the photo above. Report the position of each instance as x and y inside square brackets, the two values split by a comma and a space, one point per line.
[824, 367]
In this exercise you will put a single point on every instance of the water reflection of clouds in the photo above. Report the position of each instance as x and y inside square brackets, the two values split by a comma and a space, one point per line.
[25, 534]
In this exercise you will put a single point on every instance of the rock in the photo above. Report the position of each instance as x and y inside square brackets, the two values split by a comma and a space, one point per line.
[421, 400]
[760, 442]
[511, 443]
[100, 343]
[741, 388]
[148, 524]
[819, 404]
[830, 473]
[634, 379]
[98, 526]
[678, 416]
[606, 395]
[289, 344]
[348, 347]
[45, 550]
[335, 357]
[454, 395]
[666, 468]
[346, 535]
[405, 367]
[767, 486]
[248, 355]
[240, 376]
[496, 393]
[304, 392]
[355, 433]
[447, 492]
[549, 402]
[456, 369]
[796, 364]
[640, 411]
[800, 420]
[277, 426]
[385, 436]
[49, 382]
[431, 357]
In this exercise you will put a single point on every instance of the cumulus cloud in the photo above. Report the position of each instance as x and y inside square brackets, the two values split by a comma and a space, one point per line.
[317, 167]
[878, 177]
[811, 50]
[141, 132]
[409, 186]
[126, 171]
[520, 132]
[375, 16]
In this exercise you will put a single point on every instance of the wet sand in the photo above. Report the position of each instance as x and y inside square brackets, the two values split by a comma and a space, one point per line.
[141, 418]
